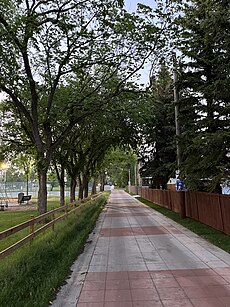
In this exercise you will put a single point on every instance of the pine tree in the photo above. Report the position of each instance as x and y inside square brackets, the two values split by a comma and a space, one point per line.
[205, 45]
[160, 132]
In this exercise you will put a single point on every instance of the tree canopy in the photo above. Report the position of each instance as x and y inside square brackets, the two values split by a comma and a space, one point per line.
[69, 70]
[80, 45]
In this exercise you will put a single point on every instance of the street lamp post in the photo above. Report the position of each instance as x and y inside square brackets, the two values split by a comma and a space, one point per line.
[129, 183]
[176, 101]
[3, 169]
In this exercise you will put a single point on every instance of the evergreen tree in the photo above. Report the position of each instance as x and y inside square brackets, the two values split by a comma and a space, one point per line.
[159, 164]
[205, 101]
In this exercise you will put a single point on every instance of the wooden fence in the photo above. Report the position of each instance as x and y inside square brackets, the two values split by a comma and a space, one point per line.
[208, 208]
[63, 212]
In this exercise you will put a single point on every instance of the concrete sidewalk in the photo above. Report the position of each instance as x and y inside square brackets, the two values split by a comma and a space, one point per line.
[138, 257]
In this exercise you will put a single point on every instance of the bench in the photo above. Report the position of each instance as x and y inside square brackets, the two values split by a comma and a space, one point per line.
[22, 198]
[3, 206]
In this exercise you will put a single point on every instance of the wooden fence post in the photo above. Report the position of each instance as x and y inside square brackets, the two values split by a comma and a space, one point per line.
[32, 225]
[31, 230]
[182, 205]
[66, 210]
[53, 218]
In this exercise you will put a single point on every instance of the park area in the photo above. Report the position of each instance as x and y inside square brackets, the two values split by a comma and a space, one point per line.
[40, 266]
[132, 272]
[97, 98]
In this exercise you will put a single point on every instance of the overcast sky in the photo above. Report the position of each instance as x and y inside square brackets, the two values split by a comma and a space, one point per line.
[131, 5]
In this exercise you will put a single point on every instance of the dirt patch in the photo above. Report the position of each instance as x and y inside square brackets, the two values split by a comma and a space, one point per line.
[21, 208]
[14, 206]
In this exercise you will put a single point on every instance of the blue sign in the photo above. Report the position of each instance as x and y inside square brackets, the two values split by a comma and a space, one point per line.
[180, 185]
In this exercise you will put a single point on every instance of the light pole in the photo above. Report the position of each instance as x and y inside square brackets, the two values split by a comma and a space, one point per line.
[129, 183]
[176, 101]
[3, 169]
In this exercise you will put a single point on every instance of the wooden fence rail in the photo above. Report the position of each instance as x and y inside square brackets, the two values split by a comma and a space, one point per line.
[30, 223]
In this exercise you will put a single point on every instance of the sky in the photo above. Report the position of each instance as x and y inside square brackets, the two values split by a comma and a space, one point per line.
[131, 5]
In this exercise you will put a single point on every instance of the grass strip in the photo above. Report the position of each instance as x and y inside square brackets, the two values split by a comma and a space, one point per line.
[9, 219]
[12, 218]
[212, 235]
[31, 276]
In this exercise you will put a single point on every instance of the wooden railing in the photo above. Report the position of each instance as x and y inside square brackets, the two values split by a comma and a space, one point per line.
[68, 209]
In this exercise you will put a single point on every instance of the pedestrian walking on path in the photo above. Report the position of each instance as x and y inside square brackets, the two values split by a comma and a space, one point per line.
[138, 257]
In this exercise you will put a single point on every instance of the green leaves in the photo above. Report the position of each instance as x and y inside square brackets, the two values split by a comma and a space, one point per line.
[63, 62]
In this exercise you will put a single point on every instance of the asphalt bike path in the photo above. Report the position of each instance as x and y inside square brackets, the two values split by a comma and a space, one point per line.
[138, 257]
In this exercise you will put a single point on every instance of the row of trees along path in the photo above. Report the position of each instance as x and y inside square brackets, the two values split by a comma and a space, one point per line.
[65, 67]
[69, 71]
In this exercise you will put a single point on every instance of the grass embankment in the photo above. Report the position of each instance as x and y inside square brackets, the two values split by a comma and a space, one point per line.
[9, 219]
[30, 276]
[212, 235]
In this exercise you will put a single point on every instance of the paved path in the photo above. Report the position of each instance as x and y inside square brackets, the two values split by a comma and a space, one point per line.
[138, 257]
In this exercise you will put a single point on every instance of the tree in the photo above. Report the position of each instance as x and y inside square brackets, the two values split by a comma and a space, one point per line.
[86, 147]
[46, 45]
[205, 100]
[117, 165]
[159, 152]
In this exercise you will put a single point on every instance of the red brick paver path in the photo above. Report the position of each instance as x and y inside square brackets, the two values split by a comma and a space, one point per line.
[141, 258]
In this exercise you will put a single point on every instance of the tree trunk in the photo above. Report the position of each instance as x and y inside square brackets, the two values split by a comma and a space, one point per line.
[86, 186]
[27, 184]
[42, 192]
[62, 194]
[61, 180]
[73, 184]
[94, 187]
[102, 186]
[80, 193]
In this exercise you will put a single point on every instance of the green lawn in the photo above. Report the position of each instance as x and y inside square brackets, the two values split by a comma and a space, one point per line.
[31, 275]
[212, 235]
[9, 219]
